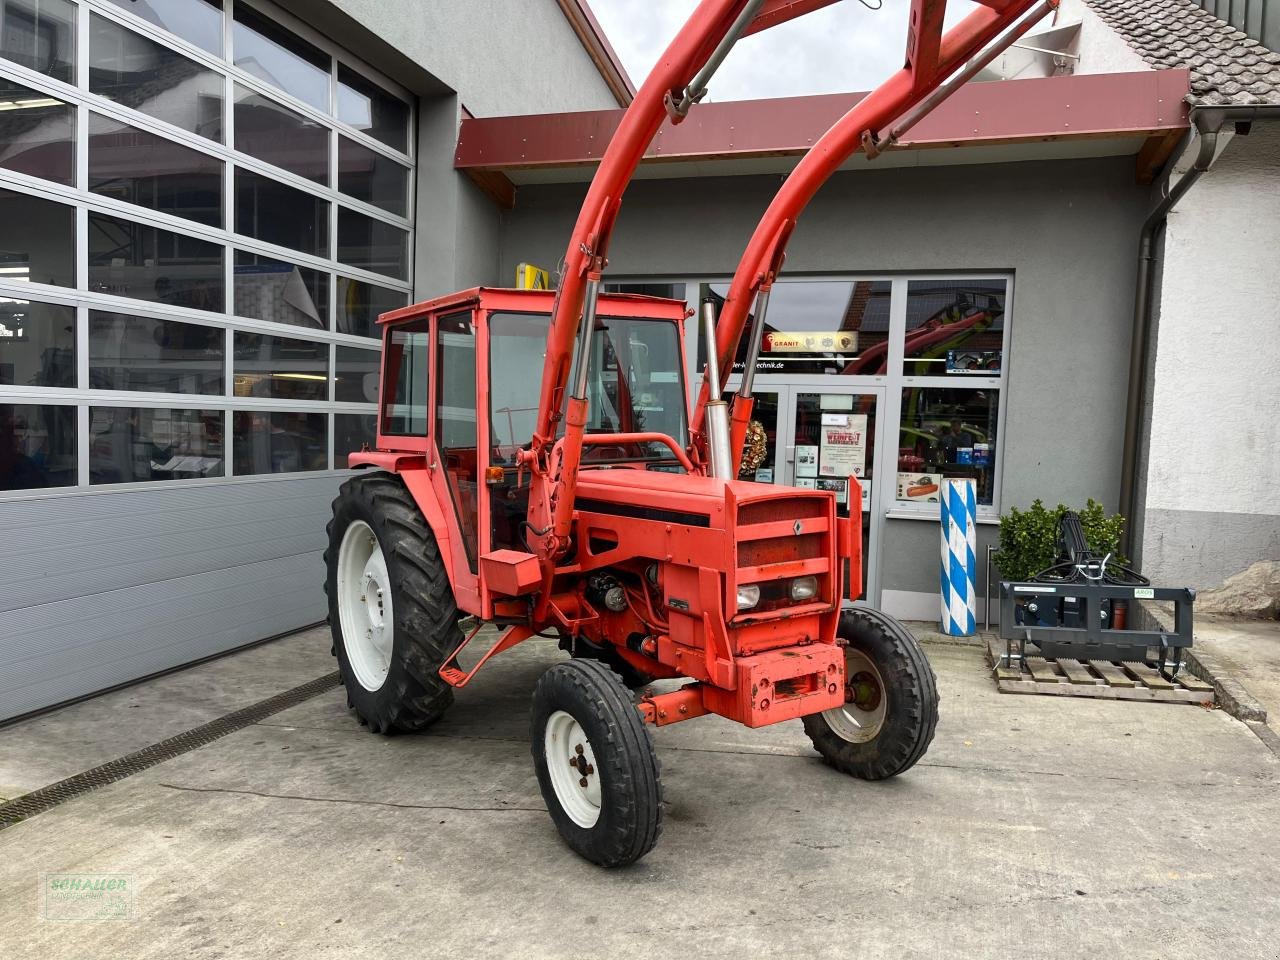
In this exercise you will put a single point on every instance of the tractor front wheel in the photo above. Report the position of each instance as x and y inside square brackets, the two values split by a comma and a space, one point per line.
[391, 607]
[596, 764]
[891, 700]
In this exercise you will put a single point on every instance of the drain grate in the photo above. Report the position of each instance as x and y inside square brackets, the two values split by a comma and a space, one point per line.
[38, 801]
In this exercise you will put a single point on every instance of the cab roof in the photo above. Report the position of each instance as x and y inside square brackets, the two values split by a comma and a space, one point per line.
[538, 301]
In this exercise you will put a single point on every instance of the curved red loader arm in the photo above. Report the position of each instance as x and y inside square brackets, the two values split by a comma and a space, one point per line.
[554, 467]
[931, 60]
[701, 44]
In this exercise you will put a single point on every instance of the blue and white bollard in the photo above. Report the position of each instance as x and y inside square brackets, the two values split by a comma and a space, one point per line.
[959, 557]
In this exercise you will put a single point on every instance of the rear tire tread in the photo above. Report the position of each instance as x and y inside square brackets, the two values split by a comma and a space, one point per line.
[426, 630]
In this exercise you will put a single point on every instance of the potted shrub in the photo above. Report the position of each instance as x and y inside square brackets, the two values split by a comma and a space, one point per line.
[1029, 542]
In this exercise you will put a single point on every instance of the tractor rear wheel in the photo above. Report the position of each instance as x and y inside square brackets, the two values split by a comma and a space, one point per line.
[891, 700]
[596, 764]
[391, 608]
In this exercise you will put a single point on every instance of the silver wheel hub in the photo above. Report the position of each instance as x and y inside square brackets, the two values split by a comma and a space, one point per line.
[365, 613]
[861, 717]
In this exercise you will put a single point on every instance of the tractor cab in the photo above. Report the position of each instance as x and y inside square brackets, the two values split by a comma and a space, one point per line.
[460, 386]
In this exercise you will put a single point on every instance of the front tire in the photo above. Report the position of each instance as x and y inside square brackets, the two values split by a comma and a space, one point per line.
[391, 607]
[891, 700]
[596, 765]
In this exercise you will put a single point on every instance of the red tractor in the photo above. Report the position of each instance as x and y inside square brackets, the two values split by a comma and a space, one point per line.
[595, 508]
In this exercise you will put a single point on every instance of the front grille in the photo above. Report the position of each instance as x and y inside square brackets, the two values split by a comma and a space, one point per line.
[807, 546]
[781, 508]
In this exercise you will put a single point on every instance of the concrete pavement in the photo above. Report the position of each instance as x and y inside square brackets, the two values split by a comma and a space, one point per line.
[1250, 651]
[1035, 826]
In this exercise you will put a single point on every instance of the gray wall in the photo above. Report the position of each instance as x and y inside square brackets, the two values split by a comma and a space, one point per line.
[1066, 229]
[98, 589]
[504, 57]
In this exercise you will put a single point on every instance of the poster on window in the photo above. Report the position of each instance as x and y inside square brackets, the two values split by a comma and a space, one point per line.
[806, 460]
[844, 445]
[839, 487]
[919, 487]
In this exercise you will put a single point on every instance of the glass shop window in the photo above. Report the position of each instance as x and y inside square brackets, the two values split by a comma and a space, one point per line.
[272, 132]
[37, 344]
[280, 367]
[40, 35]
[37, 133]
[955, 328]
[196, 21]
[360, 304]
[352, 432]
[280, 57]
[356, 375]
[133, 260]
[363, 104]
[280, 442]
[277, 213]
[816, 326]
[134, 166]
[281, 292]
[149, 77]
[135, 444]
[156, 356]
[947, 433]
[37, 446]
[372, 177]
[37, 240]
[372, 244]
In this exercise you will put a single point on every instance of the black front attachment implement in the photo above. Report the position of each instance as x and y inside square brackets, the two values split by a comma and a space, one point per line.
[1086, 607]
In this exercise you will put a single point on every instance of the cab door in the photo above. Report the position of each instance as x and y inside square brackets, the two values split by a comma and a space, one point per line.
[454, 457]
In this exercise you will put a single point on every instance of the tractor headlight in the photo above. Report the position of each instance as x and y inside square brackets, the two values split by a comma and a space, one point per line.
[748, 596]
[804, 588]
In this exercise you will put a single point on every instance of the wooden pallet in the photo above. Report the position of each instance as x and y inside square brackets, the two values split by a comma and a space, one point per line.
[1094, 678]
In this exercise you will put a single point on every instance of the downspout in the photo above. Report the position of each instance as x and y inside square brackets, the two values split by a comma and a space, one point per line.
[1209, 122]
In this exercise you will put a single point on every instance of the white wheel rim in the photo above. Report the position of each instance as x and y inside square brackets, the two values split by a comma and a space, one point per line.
[571, 764]
[364, 606]
[862, 715]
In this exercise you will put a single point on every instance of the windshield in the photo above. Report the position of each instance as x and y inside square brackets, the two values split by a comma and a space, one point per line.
[634, 385]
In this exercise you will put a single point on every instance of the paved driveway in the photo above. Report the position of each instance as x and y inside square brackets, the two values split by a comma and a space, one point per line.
[1035, 826]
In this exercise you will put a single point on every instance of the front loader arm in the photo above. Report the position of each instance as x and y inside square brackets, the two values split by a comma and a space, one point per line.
[905, 98]
[676, 82]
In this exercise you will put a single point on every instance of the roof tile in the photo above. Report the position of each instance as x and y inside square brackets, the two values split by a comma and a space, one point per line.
[1227, 66]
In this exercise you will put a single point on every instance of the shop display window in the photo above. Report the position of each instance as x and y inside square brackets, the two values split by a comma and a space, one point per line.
[954, 328]
[946, 433]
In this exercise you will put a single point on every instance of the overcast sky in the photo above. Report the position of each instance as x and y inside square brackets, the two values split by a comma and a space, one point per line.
[840, 48]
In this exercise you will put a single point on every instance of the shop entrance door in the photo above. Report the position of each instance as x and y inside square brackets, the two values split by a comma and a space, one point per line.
[816, 436]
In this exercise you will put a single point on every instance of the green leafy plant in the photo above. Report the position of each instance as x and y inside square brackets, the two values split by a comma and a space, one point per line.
[1029, 538]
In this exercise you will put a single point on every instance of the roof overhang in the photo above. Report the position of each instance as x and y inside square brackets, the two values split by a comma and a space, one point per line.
[593, 39]
[1140, 114]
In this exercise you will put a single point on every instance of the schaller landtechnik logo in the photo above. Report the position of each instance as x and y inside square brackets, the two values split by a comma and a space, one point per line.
[88, 896]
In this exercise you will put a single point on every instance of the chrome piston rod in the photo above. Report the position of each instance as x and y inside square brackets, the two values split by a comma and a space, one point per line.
[716, 413]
